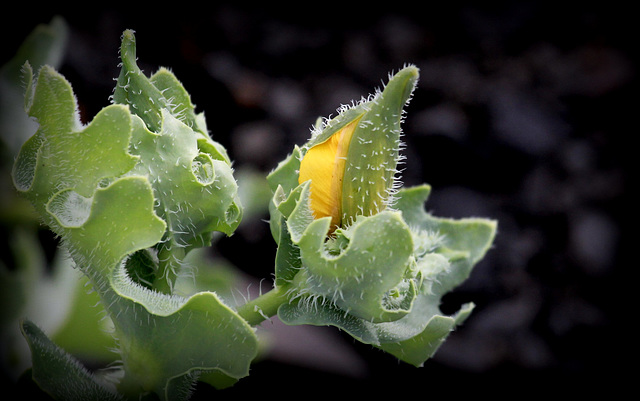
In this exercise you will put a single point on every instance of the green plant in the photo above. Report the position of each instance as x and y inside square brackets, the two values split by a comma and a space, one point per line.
[141, 188]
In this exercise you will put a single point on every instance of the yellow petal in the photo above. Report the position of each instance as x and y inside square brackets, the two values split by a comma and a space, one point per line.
[323, 164]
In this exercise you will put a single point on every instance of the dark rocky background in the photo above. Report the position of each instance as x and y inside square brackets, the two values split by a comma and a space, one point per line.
[524, 113]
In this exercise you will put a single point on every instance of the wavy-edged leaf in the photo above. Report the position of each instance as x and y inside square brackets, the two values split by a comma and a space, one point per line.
[196, 193]
[118, 194]
[59, 374]
[414, 337]
[63, 154]
[364, 277]
[165, 338]
[364, 274]
[463, 241]
[162, 337]
[191, 174]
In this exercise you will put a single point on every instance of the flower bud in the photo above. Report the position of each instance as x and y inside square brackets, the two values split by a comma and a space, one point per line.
[357, 252]
[352, 160]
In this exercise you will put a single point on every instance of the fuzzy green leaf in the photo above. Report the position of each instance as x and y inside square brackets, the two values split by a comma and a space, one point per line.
[167, 338]
[128, 201]
[59, 374]
[442, 262]
[62, 150]
[463, 241]
[362, 278]
[190, 173]
[196, 193]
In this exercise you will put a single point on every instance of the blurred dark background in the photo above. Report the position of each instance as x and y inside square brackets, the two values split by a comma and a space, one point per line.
[524, 113]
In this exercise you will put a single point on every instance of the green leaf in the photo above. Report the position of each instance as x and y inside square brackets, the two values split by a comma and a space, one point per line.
[162, 337]
[363, 278]
[286, 173]
[63, 153]
[196, 193]
[45, 45]
[417, 349]
[178, 101]
[282, 180]
[190, 173]
[54, 295]
[463, 241]
[121, 222]
[86, 330]
[444, 252]
[129, 203]
[150, 97]
[59, 374]
[167, 337]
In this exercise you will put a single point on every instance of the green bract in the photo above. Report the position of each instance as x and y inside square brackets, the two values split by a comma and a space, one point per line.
[130, 194]
[381, 277]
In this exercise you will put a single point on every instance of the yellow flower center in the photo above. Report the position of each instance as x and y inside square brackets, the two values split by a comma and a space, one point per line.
[324, 165]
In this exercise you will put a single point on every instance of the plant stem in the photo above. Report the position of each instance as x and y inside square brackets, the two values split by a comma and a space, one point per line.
[169, 263]
[263, 307]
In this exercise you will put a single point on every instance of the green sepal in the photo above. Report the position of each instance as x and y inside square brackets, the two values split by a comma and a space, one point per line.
[371, 167]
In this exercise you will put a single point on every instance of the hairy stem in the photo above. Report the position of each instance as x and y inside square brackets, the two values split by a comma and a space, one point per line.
[169, 265]
[263, 307]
